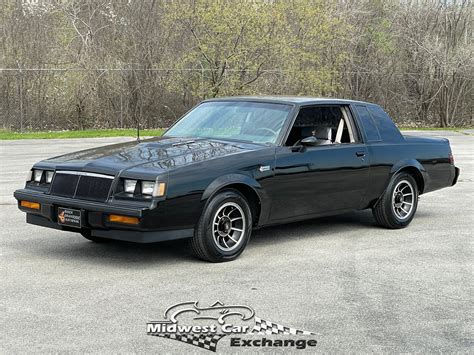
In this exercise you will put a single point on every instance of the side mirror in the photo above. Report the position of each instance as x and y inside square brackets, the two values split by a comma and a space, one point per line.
[309, 141]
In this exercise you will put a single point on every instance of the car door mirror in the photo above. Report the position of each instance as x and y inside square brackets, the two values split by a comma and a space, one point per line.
[309, 141]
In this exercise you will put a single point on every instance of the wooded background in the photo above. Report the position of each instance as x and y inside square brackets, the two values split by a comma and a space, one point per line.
[108, 64]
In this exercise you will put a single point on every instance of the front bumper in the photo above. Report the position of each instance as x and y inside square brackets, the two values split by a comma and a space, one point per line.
[94, 218]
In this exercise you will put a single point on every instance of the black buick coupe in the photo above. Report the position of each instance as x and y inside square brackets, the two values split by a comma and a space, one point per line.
[234, 164]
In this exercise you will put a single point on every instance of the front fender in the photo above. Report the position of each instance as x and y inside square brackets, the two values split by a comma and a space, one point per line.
[230, 179]
[248, 181]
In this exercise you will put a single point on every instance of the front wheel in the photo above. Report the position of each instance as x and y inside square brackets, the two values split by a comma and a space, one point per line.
[397, 206]
[224, 228]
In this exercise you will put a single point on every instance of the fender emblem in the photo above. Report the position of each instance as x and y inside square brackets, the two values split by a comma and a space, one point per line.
[263, 168]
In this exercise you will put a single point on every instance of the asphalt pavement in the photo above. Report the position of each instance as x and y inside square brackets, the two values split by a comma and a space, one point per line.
[359, 287]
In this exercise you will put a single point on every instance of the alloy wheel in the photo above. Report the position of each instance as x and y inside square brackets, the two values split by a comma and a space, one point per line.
[228, 227]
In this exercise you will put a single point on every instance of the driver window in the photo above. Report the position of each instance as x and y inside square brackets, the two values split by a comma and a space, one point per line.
[329, 124]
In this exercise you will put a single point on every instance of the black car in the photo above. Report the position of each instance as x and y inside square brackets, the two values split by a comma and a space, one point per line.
[234, 164]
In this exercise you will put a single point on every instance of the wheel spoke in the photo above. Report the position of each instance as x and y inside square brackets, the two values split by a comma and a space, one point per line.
[235, 219]
[232, 239]
[237, 229]
[225, 243]
[232, 209]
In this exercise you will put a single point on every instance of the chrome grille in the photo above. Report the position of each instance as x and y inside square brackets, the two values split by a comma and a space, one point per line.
[81, 185]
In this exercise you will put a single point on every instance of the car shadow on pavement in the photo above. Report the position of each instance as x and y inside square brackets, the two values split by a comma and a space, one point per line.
[317, 227]
[117, 253]
[66, 246]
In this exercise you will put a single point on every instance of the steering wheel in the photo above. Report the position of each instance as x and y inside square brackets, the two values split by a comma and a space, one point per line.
[297, 143]
[267, 130]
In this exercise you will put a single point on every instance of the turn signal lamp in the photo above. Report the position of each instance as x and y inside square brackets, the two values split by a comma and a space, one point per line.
[116, 218]
[159, 189]
[31, 205]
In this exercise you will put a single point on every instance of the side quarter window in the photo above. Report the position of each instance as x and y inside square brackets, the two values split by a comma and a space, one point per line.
[371, 130]
[385, 125]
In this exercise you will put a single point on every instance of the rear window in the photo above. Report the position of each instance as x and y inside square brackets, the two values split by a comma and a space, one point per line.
[370, 128]
[385, 125]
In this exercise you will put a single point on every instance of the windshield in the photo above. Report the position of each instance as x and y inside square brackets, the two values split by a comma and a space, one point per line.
[247, 121]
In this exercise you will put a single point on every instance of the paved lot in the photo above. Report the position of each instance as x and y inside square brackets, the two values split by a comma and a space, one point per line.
[361, 288]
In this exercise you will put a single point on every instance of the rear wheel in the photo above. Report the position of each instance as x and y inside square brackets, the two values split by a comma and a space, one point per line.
[87, 234]
[397, 207]
[224, 228]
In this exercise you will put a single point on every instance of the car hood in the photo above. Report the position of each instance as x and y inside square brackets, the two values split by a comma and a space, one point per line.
[158, 154]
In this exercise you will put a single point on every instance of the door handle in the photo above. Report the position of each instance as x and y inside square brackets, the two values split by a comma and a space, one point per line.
[360, 154]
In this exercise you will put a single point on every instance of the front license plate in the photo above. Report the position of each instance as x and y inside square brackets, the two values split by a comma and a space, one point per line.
[69, 217]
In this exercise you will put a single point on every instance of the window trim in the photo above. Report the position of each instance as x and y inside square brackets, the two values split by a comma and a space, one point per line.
[343, 107]
[368, 141]
[350, 126]
[291, 115]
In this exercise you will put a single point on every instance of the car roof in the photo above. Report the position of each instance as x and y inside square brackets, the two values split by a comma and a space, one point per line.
[294, 100]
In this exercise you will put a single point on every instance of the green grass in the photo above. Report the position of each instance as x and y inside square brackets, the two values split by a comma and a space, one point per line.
[434, 128]
[93, 133]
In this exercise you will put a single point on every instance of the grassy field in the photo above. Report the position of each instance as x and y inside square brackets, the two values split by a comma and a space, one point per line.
[434, 128]
[97, 133]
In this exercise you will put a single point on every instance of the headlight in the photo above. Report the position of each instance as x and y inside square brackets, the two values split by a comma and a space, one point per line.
[40, 176]
[49, 176]
[152, 188]
[148, 187]
[37, 175]
[129, 186]
[144, 187]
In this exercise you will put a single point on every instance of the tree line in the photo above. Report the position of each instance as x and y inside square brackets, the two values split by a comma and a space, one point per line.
[69, 64]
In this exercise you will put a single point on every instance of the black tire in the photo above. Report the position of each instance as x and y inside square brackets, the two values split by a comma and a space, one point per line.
[386, 212]
[87, 234]
[208, 243]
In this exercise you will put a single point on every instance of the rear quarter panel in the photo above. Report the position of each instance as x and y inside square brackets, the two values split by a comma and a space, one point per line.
[390, 151]
[431, 158]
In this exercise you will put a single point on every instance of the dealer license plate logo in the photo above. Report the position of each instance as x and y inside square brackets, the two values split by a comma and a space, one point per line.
[69, 217]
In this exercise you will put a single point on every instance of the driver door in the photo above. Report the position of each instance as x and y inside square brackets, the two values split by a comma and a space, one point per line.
[321, 179]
